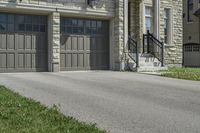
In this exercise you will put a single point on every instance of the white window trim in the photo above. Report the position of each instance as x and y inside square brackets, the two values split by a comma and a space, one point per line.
[144, 16]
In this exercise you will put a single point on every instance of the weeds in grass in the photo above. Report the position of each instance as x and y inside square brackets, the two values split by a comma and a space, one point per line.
[182, 73]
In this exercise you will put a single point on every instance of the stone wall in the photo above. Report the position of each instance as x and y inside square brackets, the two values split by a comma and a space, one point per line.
[54, 42]
[136, 25]
[173, 50]
[119, 35]
[103, 5]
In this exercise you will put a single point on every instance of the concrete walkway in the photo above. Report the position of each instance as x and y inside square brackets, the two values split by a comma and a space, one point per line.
[120, 102]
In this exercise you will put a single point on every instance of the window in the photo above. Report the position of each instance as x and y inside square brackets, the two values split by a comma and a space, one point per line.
[166, 26]
[148, 19]
[82, 26]
[190, 10]
[11, 23]
[22, 23]
[3, 21]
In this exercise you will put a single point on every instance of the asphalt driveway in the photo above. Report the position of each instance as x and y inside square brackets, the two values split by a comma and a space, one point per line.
[120, 102]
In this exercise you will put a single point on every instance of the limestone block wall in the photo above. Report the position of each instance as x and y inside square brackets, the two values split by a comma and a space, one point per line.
[119, 34]
[173, 50]
[102, 5]
[136, 25]
[54, 42]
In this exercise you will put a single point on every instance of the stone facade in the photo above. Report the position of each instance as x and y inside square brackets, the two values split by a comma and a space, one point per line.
[173, 50]
[119, 35]
[54, 42]
[114, 11]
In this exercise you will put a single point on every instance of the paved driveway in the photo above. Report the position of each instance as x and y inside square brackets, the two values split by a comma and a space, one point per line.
[120, 102]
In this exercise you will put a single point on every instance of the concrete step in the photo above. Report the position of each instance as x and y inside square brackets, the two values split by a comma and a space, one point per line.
[151, 69]
[147, 63]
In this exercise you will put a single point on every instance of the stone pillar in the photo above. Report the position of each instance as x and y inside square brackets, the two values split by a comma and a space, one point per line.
[54, 42]
[119, 56]
[126, 25]
[156, 16]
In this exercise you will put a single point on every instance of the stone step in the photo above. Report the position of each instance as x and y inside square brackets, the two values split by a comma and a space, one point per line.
[150, 69]
[147, 62]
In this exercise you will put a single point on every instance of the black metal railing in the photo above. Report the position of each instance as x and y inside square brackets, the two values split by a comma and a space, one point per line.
[133, 50]
[153, 46]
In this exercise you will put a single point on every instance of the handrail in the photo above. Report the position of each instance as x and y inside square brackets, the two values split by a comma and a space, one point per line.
[153, 46]
[133, 50]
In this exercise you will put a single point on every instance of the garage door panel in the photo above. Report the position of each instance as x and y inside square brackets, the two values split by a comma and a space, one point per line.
[74, 60]
[80, 43]
[39, 60]
[28, 42]
[93, 43]
[3, 60]
[93, 57]
[38, 42]
[87, 43]
[68, 60]
[68, 43]
[21, 61]
[74, 43]
[81, 60]
[43, 42]
[28, 61]
[11, 60]
[62, 60]
[11, 41]
[63, 42]
[3, 41]
[34, 42]
[87, 60]
[20, 42]
[100, 43]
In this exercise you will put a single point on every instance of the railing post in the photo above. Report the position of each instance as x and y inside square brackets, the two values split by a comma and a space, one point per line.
[162, 63]
[137, 56]
[148, 41]
[129, 43]
[144, 37]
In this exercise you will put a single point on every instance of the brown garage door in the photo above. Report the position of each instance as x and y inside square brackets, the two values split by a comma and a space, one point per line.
[23, 43]
[84, 44]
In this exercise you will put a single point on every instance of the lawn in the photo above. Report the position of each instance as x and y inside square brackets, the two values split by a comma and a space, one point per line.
[22, 115]
[183, 73]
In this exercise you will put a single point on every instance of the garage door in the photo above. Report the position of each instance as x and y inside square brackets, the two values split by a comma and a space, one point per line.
[23, 43]
[84, 44]
[192, 55]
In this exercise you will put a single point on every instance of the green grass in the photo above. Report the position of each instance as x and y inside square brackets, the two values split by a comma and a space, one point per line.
[182, 73]
[22, 115]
